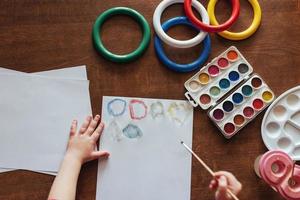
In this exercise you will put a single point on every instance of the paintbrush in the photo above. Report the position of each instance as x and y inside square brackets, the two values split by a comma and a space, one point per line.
[292, 181]
[206, 167]
[294, 163]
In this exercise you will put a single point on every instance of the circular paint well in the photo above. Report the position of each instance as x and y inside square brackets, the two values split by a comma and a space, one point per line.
[194, 85]
[229, 128]
[218, 114]
[243, 68]
[273, 129]
[213, 70]
[247, 90]
[280, 112]
[239, 120]
[233, 76]
[232, 55]
[224, 83]
[205, 99]
[215, 91]
[223, 62]
[204, 78]
[227, 106]
[258, 104]
[296, 150]
[248, 112]
[237, 98]
[267, 96]
[292, 100]
[284, 143]
[256, 82]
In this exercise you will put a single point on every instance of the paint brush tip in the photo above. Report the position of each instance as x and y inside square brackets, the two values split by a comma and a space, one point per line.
[181, 142]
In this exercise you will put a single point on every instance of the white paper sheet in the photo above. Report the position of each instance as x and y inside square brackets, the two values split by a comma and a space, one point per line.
[78, 72]
[35, 115]
[149, 164]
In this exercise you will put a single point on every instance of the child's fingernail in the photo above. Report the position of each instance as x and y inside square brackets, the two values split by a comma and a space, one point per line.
[97, 116]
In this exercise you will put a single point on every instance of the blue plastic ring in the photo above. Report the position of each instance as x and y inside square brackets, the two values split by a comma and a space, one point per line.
[175, 66]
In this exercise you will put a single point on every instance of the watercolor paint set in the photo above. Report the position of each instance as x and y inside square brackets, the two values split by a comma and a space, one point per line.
[217, 78]
[230, 91]
[242, 106]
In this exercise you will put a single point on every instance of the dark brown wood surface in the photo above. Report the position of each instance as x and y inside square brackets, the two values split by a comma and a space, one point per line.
[43, 35]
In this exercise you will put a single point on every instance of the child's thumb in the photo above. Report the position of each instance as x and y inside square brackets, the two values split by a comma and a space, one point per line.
[98, 154]
[221, 193]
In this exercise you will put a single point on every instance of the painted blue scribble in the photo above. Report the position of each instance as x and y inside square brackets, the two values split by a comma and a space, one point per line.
[132, 131]
[116, 111]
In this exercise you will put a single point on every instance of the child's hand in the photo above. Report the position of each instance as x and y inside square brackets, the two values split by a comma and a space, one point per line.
[82, 143]
[81, 148]
[225, 180]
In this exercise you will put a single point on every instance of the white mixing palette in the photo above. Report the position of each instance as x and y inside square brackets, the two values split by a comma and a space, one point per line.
[281, 124]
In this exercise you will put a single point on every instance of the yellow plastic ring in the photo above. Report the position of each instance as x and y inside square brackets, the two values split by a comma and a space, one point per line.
[237, 35]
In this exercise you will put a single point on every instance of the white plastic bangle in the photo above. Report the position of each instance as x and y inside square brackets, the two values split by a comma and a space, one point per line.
[171, 41]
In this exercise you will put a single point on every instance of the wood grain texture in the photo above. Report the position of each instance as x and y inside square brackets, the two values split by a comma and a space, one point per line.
[44, 35]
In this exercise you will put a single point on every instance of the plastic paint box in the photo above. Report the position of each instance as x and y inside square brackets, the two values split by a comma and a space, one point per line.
[230, 91]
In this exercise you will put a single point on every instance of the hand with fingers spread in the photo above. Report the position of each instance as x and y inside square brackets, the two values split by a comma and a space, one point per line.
[82, 147]
[222, 181]
[82, 143]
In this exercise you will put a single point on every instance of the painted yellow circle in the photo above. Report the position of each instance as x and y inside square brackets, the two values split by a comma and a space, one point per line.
[237, 35]
[204, 78]
[267, 96]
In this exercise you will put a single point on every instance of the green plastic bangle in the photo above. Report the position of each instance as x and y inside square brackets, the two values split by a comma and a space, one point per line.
[121, 11]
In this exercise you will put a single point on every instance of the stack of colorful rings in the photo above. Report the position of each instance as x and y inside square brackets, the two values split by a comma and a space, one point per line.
[191, 20]
[121, 11]
[221, 28]
[162, 36]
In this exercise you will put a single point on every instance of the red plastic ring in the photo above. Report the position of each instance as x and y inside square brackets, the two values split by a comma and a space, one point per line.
[210, 28]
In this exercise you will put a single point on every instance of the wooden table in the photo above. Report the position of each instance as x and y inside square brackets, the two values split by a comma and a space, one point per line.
[44, 35]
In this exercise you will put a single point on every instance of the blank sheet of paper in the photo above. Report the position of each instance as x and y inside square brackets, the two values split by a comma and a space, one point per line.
[146, 159]
[35, 117]
[78, 72]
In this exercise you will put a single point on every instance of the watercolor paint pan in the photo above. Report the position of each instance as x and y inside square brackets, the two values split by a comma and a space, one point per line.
[280, 127]
[217, 78]
[242, 106]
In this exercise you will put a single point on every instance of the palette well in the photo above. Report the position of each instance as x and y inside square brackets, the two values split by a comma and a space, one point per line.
[242, 106]
[217, 78]
[229, 90]
[281, 124]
